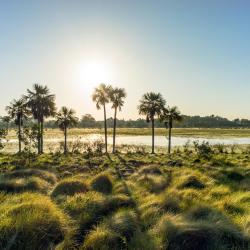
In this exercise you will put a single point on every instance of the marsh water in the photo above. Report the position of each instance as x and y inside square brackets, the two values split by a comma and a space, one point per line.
[146, 140]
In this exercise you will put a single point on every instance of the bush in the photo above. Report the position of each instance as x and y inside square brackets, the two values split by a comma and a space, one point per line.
[69, 187]
[102, 183]
[176, 233]
[203, 149]
[192, 182]
[30, 221]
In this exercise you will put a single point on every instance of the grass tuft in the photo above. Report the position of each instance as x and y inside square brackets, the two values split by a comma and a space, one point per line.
[102, 183]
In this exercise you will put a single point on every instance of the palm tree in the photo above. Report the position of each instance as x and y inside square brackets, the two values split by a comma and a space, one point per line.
[168, 117]
[42, 105]
[101, 98]
[6, 119]
[117, 96]
[65, 119]
[151, 105]
[18, 111]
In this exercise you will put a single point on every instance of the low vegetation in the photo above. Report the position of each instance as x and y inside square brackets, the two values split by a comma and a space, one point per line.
[131, 200]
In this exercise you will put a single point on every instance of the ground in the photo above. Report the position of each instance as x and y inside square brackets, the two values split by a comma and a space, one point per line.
[129, 200]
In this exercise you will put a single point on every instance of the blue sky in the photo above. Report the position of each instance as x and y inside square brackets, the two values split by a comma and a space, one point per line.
[196, 53]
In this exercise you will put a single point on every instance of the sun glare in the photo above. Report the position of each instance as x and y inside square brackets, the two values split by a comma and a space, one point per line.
[94, 73]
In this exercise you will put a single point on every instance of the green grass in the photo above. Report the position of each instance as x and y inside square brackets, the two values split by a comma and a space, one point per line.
[126, 201]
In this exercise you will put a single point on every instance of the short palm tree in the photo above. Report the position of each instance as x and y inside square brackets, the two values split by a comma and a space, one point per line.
[117, 96]
[65, 119]
[18, 111]
[42, 105]
[151, 105]
[170, 115]
[101, 98]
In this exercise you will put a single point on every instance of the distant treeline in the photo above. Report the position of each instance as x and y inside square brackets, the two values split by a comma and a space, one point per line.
[88, 121]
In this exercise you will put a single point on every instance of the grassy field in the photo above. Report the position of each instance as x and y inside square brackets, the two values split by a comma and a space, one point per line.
[126, 201]
[183, 132]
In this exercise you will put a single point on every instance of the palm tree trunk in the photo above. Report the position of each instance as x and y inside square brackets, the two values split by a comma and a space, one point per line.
[41, 151]
[169, 139]
[114, 130]
[65, 140]
[105, 128]
[38, 138]
[153, 135]
[19, 136]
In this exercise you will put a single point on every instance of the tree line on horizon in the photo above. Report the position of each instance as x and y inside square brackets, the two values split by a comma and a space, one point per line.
[38, 104]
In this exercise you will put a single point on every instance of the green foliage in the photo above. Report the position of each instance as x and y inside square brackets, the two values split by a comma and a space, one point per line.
[203, 149]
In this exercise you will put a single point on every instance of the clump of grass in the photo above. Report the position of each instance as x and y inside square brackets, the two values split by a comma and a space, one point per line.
[69, 187]
[31, 221]
[176, 233]
[102, 183]
[103, 238]
[24, 173]
[235, 176]
[170, 204]
[120, 200]
[150, 170]
[18, 185]
[153, 183]
[124, 222]
[192, 182]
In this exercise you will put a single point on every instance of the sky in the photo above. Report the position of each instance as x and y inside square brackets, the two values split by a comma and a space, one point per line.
[196, 53]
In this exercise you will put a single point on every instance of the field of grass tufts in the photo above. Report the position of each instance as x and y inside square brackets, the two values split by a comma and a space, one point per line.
[126, 201]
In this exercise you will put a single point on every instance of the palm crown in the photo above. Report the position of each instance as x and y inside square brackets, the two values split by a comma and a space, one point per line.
[66, 118]
[101, 95]
[151, 104]
[117, 96]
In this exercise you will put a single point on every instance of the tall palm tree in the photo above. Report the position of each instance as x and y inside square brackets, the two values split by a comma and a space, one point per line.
[42, 105]
[18, 111]
[117, 96]
[65, 118]
[151, 105]
[101, 98]
[170, 115]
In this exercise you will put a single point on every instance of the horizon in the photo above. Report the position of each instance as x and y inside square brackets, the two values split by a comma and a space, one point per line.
[196, 54]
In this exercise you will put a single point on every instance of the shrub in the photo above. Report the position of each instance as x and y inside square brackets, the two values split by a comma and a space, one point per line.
[102, 183]
[30, 221]
[69, 187]
[192, 182]
[176, 233]
[203, 149]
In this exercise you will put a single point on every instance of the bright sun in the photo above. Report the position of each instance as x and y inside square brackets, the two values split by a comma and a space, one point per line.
[94, 73]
